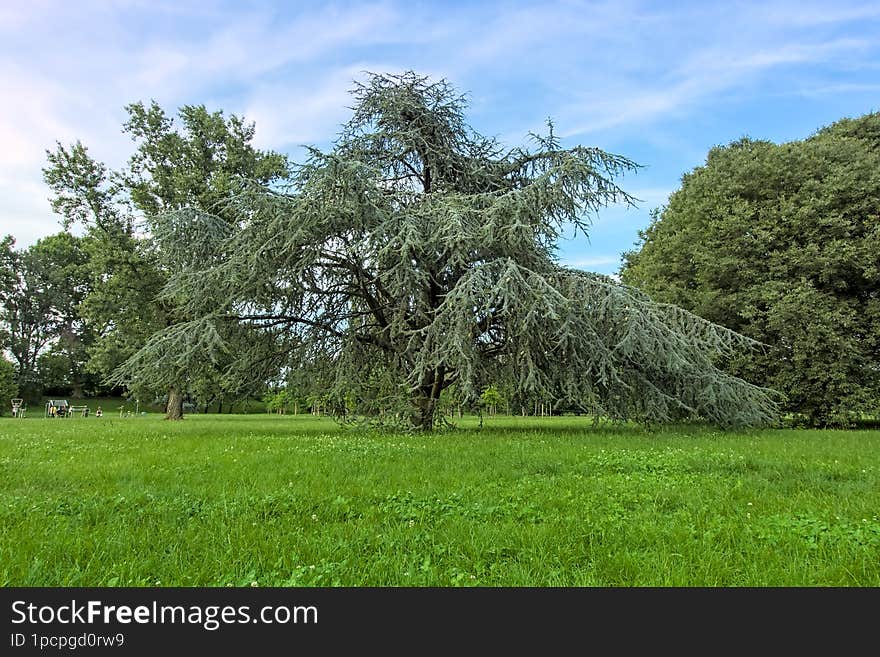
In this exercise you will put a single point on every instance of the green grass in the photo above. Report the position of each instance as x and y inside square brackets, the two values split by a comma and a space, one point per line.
[297, 501]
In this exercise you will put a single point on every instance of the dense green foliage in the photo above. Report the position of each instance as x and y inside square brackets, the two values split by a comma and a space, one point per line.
[41, 289]
[782, 243]
[8, 386]
[27, 323]
[536, 502]
[418, 255]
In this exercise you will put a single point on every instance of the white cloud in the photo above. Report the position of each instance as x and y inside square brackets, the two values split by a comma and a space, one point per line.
[802, 14]
[590, 262]
[701, 76]
[303, 113]
[835, 89]
[33, 118]
[253, 45]
[26, 212]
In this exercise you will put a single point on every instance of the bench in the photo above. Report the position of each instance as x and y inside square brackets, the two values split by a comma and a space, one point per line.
[82, 410]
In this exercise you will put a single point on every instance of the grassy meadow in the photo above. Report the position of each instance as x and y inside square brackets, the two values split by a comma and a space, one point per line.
[298, 501]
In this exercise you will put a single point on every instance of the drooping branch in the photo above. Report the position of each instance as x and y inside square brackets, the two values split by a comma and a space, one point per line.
[402, 290]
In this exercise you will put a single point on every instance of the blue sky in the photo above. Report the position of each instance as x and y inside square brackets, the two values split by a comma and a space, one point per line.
[659, 82]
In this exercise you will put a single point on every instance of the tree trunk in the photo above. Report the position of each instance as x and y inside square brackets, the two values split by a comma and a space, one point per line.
[425, 405]
[174, 408]
[427, 400]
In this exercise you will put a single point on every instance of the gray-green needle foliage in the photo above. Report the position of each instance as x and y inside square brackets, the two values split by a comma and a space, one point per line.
[417, 255]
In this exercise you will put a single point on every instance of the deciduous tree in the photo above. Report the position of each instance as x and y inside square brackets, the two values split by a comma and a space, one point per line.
[780, 243]
[42, 287]
[138, 239]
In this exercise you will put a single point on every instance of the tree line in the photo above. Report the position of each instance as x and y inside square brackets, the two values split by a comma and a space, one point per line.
[411, 268]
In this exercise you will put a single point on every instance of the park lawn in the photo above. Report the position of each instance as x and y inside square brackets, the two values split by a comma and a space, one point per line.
[299, 501]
